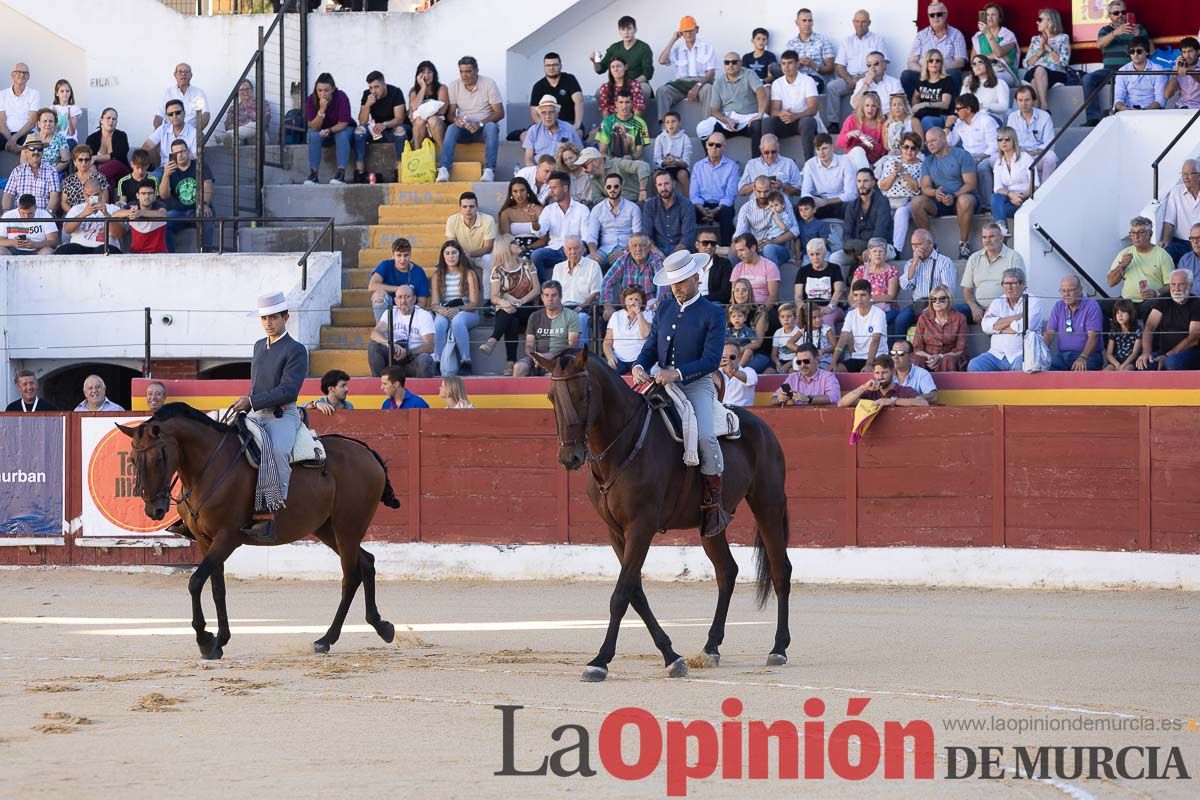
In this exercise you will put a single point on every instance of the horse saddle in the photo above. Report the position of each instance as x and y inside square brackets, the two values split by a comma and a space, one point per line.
[307, 452]
[671, 407]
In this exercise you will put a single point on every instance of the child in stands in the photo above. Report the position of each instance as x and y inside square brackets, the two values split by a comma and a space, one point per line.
[1124, 337]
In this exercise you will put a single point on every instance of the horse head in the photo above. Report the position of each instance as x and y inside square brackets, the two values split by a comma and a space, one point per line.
[155, 459]
[571, 395]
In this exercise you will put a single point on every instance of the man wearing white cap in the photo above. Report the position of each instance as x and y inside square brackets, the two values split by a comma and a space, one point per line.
[686, 339]
[277, 372]
[633, 172]
[544, 138]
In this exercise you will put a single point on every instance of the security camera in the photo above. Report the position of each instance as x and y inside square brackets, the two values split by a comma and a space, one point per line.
[167, 319]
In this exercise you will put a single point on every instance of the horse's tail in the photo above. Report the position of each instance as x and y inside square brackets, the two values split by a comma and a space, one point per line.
[388, 498]
[762, 561]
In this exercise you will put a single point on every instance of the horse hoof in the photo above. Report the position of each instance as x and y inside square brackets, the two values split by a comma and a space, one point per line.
[320, 647]
[213, 654]
[678, 669]
[386, 631]
[776, 660]
[593, 674]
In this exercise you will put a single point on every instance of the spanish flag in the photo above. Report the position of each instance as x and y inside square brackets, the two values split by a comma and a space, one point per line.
[864, 415]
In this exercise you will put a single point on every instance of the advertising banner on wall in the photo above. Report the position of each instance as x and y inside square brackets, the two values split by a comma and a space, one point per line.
[1087, 18]
[110, 505]
[32, 475]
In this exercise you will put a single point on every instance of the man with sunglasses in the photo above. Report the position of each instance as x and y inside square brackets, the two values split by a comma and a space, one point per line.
[738, 103]
[942, 37]
[611, 223]
[714, 187]
[909, 374]
[1113, 41]
[1078, 325]
[176, 127]
[876, 80]
[808, 384]
[19, 105]
[1139, 92]
[34, 177]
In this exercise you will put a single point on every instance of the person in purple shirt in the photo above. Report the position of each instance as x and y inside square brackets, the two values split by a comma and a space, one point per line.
[330, 122]
[392, 385]
[1078, 324]
[809, 385]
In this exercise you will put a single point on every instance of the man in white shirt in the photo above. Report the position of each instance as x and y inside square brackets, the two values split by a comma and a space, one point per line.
[1035, 131]
[1004, 320]
[412, 337]
[695, 62]
[850, 65]
[829, 179]
[739, 380]
[538, 177]
[87, 238]
[195, 101]
[27, 230]
[18, 109]
[876, 80]
[563, 216]
[176, 127]
[580, 277]
[1182, 211]
[95, 396]
[976, 133]
[794, 99]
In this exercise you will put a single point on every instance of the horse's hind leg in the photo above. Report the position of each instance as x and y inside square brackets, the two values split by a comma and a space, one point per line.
[351, 578]
[218, 593]
[366, 565]
[717, 550]
[771, 546]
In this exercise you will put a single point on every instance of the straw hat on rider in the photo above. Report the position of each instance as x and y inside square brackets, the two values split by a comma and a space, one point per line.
[680, 266]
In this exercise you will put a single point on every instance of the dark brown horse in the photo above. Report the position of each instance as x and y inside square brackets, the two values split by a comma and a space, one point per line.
[335, 503]
[640, 486]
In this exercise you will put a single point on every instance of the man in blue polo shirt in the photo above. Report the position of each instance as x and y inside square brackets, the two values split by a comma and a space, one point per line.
[397, 271]
[392, 385]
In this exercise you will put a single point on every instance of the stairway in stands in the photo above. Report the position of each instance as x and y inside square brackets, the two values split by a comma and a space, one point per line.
[414, 211]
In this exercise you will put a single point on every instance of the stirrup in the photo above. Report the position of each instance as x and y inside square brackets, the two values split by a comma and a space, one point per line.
[180, 528]
[262, 530]
[723, 518]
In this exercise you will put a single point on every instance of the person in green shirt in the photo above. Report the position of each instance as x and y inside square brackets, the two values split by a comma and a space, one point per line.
[1144, 267]
[623, 135]
[637, 55]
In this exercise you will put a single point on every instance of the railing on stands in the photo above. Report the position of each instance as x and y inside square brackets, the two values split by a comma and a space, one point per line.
[1171, 146]
[330, 227]
[205, 8]
[1079, 270]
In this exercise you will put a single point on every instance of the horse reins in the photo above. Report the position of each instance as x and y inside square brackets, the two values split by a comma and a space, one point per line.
[184, 498]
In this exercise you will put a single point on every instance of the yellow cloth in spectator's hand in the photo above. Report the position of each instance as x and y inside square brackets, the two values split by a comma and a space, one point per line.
[864, 415]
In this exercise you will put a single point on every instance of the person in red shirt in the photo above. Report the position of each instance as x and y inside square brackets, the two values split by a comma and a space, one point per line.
[147, 220]
[883, 388]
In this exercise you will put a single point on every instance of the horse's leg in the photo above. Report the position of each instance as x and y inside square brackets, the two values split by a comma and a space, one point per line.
[717, 550]
[218, 593]
[772, 522]
[224, 544]
[366, 565]
[351, 578]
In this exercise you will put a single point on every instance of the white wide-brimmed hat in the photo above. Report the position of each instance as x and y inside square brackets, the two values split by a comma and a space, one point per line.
[588, 154]
[273, 303]
[680, 266]
[548, 100]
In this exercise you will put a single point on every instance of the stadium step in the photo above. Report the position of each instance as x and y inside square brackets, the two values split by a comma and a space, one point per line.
[345, 337]
[357, 278]
[352, 362]
[350, 317]
[409, 214]
[425, 256]
[419, 234]
[427, 192]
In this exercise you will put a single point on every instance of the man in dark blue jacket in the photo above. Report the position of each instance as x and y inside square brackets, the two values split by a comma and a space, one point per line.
[685, 341]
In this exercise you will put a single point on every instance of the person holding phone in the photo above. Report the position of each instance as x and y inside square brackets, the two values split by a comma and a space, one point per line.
[27, 230]
[1113, 41]
[808, 385]
[89, 222]
[186, 195]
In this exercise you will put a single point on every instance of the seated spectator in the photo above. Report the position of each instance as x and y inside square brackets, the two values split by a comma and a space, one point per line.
[476, 109]
[1077, 323]
[95, 396]
[544, 138]
[1113, 41]
[475, 232]
[751, 331]
[87, 238]
[57, 147]
[864, 333]
[948, 186]
[940, 341]
[997, 45]
[411, 337]
[900, 181]
[330, 123]
[515, 291]
[537, 178]
[28, 230]
[583, 188]
[761, 61]
[1172, 334]
[883, 389]
[794, 101]
[716, 276]
[520, 210]
[29, 401]
[739, 332]
[815, 331]
[783, 343]
[714, 187]
[381, 117]
[926, 269]
[668, 218]
[455, 300]
[189, 194]
[808, 384]
[673, 151]
[912, 375]
[738, 379]
[192, 98]
[18, 109]
[695, 63]
[769, 219]
[579, 277]
[429, 103]
[453, 390]
[1133, 91]
[623, 134]
[994, 95]
[1191, 259]
[875, 79]
[635, 53]
[147, 220]
[829, 180]
[127, 187]
[395, 395]
[850, 65]
[900, 120]
[1186, 85]
[1182, 211]
[562, 217]
[561, 87]
[1124, 338]
[815, 52]
[737, 104]
[882, 276]
[335, 388]
[864, 133]
[111, 146]
[1143, 269]
[627, 330]
[294, 127]
[619, 80]
[983, 278]
[821, 284]
[868, 217]
[395, 272]
[944, 38]
[72, 185]
[1048, 55]
[36, 178]
[174, 128]
[932, 99]
[1010, 178]
[611, 224]
[762, 273]
[782, 172]
[242, 119]
[551, 329]
[1005, 323]
[975, 132]
[812, 228]
[634, 174]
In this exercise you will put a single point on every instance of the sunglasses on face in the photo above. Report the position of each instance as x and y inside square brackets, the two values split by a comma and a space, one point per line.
[1004, 139]
[174, 113]
[804, 361]
[729, 63]
[707, 243]
[935, 14]
[907, 147]
[941, 299]
[1117, 13]
[716, 145]
[898, 354]
[1137, 51]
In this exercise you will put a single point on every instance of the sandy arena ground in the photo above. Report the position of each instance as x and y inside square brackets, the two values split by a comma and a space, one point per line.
[416, 719]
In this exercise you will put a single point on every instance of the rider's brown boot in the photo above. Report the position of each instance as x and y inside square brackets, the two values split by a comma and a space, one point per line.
[180, 528]
[262, 529]
[713, 516]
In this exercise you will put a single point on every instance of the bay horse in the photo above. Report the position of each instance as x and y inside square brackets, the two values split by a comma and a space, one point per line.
[640, 486]
[335, 503]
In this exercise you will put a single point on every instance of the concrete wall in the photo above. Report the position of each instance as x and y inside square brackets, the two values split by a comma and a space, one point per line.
[49, 55]
[60, 310]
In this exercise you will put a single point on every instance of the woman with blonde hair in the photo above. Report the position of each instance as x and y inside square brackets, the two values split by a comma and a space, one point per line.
[932, 99]
[454, 391]
[899, 121]
[515, 292]
[1048, 55]
[941, 338]
[864, 133]
[566, 159]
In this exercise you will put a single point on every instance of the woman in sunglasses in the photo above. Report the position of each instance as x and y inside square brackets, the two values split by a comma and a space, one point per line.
[1010, 184]
[931, 100]
[941, 337]
[1048, 55]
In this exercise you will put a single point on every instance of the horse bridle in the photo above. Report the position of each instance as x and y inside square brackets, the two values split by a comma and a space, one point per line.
[574, 421]
[185, 496]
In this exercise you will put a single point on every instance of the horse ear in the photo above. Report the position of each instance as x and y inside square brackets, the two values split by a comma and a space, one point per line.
[128, 431]
[581, 358]
[541, 360]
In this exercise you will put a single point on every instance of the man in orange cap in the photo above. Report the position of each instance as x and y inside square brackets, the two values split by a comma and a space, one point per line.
[695, 62]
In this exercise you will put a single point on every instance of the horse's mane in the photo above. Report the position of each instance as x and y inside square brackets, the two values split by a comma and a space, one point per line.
[171, 411]
[594, 363]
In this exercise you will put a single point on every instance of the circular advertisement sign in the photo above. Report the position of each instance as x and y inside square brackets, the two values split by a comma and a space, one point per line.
[111, 477]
